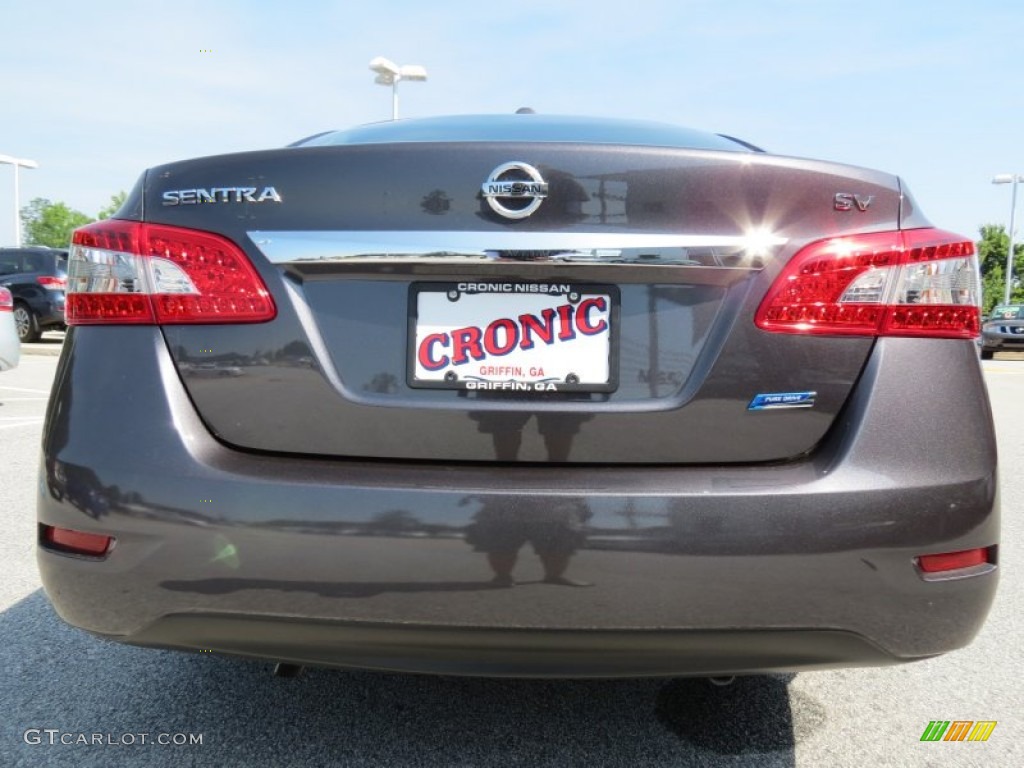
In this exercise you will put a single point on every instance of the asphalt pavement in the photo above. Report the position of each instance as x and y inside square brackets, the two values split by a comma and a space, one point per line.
[115, 704]
[49, 344]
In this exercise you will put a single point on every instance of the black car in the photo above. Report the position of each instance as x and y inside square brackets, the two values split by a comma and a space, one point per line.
[1003, 330]
[317, 404]
[37, 277]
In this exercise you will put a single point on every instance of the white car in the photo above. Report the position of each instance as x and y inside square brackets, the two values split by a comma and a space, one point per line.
[10, 347]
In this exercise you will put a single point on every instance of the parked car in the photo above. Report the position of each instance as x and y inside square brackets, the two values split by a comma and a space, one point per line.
[10, 346]
[1003, 330]
[37, 277]
[460, 336]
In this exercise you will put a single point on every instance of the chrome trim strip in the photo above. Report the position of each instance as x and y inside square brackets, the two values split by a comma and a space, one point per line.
[287, 246]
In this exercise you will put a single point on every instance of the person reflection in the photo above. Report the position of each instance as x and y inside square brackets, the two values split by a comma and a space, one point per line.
[555, 530]
[506, 431]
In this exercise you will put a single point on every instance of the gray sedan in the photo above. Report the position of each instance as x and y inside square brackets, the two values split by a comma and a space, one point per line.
[522, 395]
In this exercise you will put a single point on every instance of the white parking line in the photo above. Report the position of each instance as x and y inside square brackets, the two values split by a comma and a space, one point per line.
[23, 389]
[22, 423]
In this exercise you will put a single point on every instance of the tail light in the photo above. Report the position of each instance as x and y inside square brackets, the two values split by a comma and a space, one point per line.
[52, 282]
[6, 300]
[75, 542]
[131, 272]
[954, 561]
[918, 282]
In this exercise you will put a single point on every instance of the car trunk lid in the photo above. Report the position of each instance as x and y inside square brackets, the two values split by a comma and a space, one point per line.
[375, 253]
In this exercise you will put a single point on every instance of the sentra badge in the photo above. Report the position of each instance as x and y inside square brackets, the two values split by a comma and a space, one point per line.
[221, 195]
[515, 190]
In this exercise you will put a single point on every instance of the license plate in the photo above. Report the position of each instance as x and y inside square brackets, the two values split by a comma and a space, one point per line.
[513, 337]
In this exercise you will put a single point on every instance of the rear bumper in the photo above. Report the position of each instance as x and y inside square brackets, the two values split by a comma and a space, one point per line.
[697, 570]
[516, 653]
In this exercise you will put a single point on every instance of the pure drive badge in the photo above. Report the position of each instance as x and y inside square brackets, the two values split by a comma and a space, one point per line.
[772, 401]
[514, 190]
[220, 195]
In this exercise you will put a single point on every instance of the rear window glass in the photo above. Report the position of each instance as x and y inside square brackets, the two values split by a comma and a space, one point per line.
[37, 262]
[29, 262]
[528, 128]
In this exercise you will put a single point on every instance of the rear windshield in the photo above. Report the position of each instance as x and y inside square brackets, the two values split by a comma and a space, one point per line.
[31, 262]
[557, 129]
[1008, 312]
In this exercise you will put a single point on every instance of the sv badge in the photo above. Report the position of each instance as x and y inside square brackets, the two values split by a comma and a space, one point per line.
[847, 201]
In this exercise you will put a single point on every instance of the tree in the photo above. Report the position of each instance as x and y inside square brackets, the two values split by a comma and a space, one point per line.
[992, 250]
[48, 223]
[116, 201]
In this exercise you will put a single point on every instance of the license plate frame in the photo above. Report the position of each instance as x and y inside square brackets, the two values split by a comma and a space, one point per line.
[480, 304]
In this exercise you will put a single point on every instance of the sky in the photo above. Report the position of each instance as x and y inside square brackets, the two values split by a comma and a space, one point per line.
[932, 91]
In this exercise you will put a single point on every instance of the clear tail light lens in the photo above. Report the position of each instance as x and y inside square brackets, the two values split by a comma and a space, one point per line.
[918, 282]
[131, 272]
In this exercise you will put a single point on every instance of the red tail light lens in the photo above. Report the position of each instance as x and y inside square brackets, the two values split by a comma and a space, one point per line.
[49, 281]
[952, 561]
[919, 282]
[6, 300]
[131, 272]
[76, 542]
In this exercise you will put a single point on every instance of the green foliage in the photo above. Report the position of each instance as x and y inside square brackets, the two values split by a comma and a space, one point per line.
[992, 250]
[116, 201]
[48, 223]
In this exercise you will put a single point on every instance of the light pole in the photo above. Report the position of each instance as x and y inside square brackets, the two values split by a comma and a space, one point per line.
[389, 73]
[17, 163]
[1009, 178]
